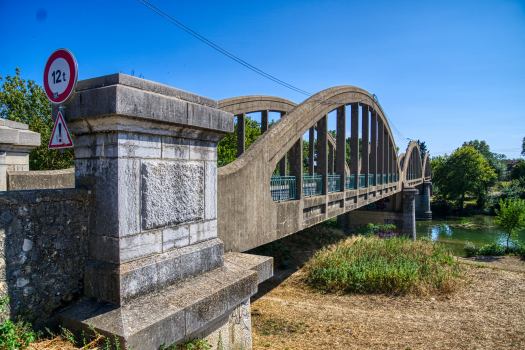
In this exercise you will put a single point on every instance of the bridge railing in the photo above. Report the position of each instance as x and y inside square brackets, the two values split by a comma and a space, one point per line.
[370, 180]
[283, 188]
[312, 185]
[350, 182]
[362, 180]
[334, 183]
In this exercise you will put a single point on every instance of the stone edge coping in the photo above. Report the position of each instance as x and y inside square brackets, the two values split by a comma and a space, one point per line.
[18, 136]
[263, 265]
[13, 125]
[42, 172]
[144, 84]
[179, 310]
[37, 196]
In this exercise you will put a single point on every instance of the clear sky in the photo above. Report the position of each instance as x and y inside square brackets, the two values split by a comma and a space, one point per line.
[444, 71]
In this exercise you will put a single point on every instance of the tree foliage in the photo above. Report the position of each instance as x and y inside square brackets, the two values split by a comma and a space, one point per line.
[518, 171]
[464, 172]
[496, 161]
[511, 217]
[26, 102]
[227, 148]
[523, 147]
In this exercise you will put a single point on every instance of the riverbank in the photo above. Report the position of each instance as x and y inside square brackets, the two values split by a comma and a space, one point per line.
[509, 263]
[488, 312]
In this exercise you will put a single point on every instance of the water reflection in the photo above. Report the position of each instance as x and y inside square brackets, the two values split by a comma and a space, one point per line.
[446, 231]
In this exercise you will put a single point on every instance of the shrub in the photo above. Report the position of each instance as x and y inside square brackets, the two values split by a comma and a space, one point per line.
[471, 249]
[494, 249]
[511, 217]
[518, 171]
[14, 335]
[520, 250]
[392, 266]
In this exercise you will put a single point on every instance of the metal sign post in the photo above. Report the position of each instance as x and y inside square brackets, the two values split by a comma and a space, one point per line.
[60, 79]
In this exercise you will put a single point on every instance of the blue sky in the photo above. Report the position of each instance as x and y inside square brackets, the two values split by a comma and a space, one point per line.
[444, 71]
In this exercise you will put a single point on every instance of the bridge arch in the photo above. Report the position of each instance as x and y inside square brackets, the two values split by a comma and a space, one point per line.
[427, 168]
[412, 166]
[246, 208]
[242, 105]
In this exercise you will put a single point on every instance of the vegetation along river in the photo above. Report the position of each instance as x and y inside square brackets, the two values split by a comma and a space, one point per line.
[455, 231]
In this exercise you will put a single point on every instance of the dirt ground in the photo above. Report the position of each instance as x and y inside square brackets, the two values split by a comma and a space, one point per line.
[488, 312]
[512, 263]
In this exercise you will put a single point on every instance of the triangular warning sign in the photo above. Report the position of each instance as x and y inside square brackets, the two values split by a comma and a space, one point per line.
[60, 137]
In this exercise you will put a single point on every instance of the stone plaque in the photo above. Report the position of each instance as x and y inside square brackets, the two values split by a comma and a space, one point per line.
[172, 193]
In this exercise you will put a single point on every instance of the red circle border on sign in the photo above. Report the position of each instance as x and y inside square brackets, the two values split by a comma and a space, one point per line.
[72, 62]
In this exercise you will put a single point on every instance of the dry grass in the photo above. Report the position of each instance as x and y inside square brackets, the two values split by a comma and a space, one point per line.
[488, 312]
[61, 342]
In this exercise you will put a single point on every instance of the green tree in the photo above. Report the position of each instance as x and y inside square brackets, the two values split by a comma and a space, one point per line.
[464, 172]
[497, 161]
[25, 102]
[523, 147]
[518, 171]
[511, 217]
[227, 148]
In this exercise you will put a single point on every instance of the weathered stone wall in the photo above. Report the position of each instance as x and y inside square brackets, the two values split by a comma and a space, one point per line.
[43, 245]
[40, 180]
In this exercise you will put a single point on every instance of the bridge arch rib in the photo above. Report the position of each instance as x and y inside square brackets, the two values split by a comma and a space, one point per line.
[248, 217]
[242, 105]
[427, 168]
[412, 166]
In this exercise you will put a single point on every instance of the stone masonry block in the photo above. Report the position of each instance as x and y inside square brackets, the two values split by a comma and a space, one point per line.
[104, 248]
[178, 236]
[140, 245]
[199, 258]
[172, 193]
[139, 145]
[202, 150]
[210, 192]
[175, 148]
[129, 196]
[101, 176]
[202, 231]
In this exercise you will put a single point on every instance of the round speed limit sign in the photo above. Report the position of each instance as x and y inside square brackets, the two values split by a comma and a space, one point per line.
[60, 76]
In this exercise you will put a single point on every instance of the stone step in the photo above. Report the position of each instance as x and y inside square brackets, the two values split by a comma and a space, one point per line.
[178, 312]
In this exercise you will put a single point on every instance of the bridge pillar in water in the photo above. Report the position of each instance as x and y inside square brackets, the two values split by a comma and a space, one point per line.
[157, 272]
[409, 212]
[423, 211]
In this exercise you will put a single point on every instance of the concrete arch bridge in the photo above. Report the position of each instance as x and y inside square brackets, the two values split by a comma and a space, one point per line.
[256, 206]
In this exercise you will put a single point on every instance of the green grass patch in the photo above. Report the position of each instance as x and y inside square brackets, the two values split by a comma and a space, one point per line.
[384, 266]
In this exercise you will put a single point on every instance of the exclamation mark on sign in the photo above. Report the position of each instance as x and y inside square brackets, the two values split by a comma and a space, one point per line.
[60, 132]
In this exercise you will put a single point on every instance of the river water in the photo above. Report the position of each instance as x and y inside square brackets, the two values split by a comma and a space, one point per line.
[444, 230]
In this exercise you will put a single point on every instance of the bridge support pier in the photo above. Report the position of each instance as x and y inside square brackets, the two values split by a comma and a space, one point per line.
[157, 272]
[423, 211]
[409, 212]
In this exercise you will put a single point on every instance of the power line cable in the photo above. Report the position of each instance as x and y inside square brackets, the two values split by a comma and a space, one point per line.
[251, 67]
[220, 49]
